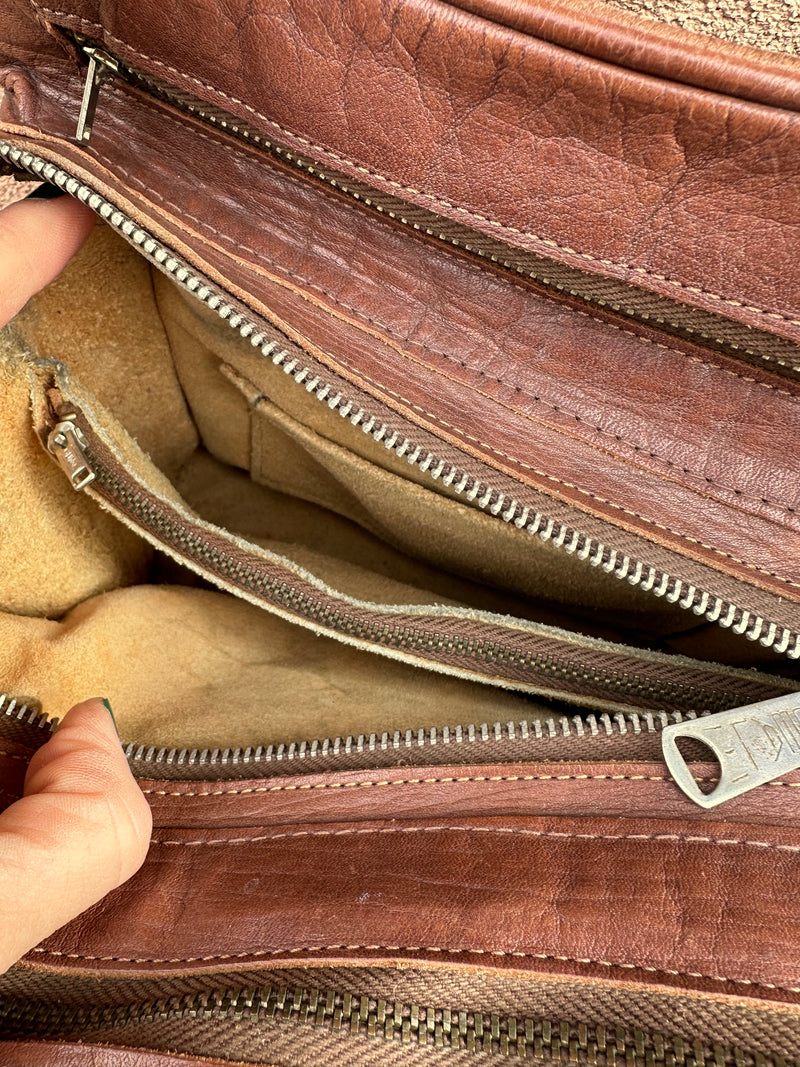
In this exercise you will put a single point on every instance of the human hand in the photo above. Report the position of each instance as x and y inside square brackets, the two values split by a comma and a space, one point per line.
[83, 826]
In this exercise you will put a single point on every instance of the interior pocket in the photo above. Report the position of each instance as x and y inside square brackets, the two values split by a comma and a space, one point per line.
[259, 457]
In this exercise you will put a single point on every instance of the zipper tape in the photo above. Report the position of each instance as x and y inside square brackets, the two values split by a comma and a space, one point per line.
[689, 596]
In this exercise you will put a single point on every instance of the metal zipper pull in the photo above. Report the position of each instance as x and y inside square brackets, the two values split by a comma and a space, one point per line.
[753, 745]
[102, 67]
[67, 444]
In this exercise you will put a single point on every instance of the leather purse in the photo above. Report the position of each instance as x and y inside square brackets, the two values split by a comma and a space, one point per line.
[411, 457]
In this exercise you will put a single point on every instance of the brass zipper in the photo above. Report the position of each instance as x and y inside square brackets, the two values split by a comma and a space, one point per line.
[364, 1017]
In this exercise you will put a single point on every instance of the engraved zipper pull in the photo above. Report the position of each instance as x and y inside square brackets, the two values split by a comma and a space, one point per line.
[102, 67]
[753, 745]
[67, 444]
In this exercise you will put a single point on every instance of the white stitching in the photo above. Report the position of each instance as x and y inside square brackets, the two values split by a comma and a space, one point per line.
[411, 189]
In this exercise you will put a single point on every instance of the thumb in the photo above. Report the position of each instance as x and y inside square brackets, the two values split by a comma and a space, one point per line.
[81, 829]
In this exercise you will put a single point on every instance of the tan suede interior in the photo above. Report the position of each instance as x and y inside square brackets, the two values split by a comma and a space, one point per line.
[88, 609]
[769, 24]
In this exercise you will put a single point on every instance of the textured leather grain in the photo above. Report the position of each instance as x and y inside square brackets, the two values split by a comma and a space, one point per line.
[549, 149]
[554, 894]
[666, 440]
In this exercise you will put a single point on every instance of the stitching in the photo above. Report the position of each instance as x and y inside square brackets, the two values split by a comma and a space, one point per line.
[426, 948]
[372, 321]
[692, 839]
[474, 268]
[423, 781]
[411, 189]
[453, 780]
[527, 466]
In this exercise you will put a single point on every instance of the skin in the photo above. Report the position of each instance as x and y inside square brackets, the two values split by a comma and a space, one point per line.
[83, 826]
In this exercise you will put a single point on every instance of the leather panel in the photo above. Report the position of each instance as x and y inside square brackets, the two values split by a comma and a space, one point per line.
[614, 172]
[660, 438]
[509, 789]
[69, 1054]
[555, 894]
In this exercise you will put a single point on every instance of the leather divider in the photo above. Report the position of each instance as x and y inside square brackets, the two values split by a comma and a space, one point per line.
[69, 1054]
[641, 179]
[575, 789]
[559, 401]
[703, 906]
[655, 435]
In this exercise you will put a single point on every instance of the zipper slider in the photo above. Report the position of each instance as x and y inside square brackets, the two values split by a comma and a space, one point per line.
[66, 442]
[102, 67]
[753, 745]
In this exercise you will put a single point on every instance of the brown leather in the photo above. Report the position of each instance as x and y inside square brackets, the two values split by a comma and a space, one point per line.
[558, 399]
[565, 400]
[553, 894]
[549, 149]
[68, 1054]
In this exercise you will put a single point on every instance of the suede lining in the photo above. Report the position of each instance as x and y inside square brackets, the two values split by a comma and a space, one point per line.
[188, 666]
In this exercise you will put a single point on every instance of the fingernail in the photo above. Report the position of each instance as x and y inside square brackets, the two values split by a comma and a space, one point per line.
[46, 191]
[107, 706]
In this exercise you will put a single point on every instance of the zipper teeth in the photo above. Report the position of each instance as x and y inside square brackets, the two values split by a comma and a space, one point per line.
[444, 1028]
[688, 596]
[233, 126]
[390, 635]
[27, 712]
[570, 727]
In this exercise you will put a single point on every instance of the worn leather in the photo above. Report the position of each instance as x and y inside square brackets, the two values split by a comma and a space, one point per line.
[665, 440]
[545, 147]
[69, 1054]
[553, 894]
[678, 186]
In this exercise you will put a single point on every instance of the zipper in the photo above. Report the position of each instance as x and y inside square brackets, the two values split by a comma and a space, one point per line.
[619, 297]
[407, 1024]
[521, 655]
[102, 67]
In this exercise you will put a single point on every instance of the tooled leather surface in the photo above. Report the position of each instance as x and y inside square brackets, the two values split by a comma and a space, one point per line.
[654, 434]
[68, 1054]
[683, 191]
[567, 895]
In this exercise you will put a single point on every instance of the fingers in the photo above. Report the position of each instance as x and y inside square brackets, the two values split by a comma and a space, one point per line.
[37, 239]
[81, 829]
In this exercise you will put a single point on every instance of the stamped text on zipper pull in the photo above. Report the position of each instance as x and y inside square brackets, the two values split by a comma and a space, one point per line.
[753, 745]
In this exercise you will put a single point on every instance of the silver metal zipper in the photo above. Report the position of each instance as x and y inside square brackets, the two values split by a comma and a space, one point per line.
[410, 741]
[68, 445]
[567, 538]
[102, 67]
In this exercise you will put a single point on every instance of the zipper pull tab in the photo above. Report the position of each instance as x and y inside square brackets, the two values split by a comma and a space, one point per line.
[753, 745]
[102, 67]
[66, 442]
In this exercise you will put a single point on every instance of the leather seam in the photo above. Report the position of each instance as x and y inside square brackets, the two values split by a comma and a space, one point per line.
[499, 953]
[690, 839]
[455, 780]
[549, 242]
[441, 781]
[584, 492]
[571, 485]
[476, 269]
